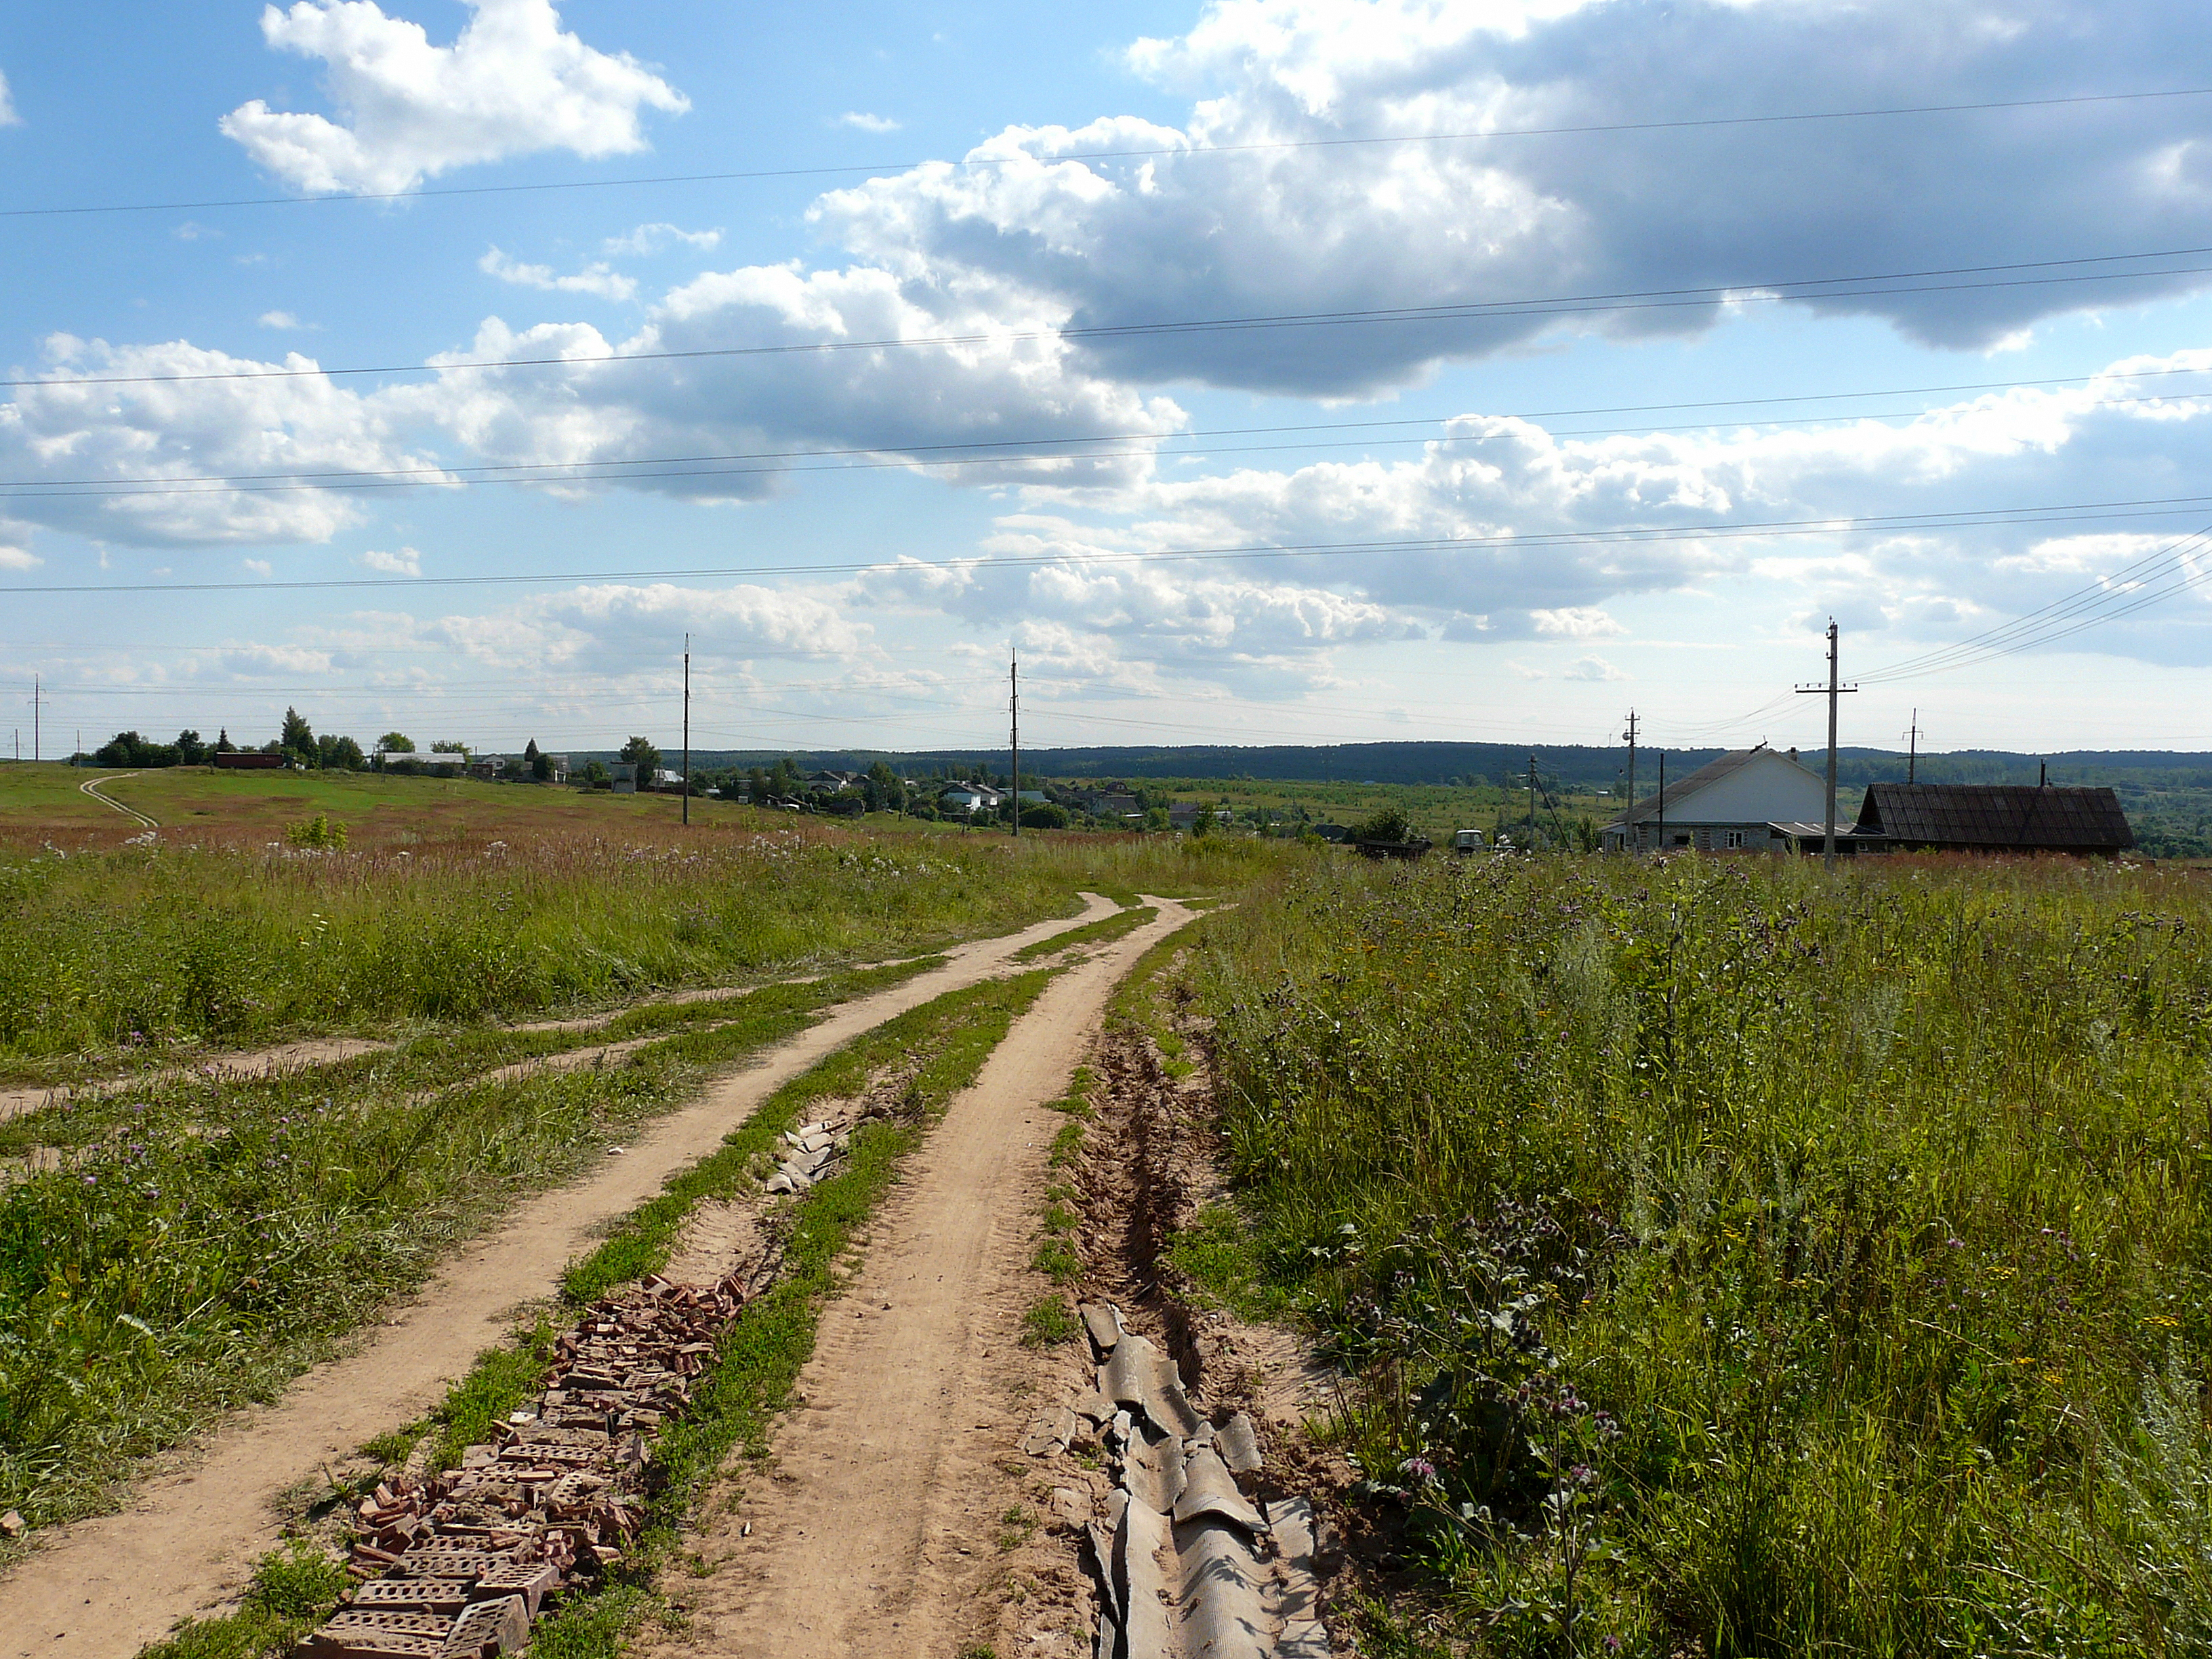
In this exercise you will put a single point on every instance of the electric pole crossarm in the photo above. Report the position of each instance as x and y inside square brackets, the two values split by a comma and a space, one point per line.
[1834, 689]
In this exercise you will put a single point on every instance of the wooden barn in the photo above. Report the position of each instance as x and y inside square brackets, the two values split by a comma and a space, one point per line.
[1992, 818]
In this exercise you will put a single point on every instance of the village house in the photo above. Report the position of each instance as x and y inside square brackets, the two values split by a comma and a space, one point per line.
[1966, 817]
[1754, 799]
[970, 799]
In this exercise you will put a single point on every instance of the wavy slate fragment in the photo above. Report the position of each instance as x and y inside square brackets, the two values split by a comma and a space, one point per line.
[1151, 1469]
[1104, 1322]
[1222, 1607]
[1148, 1627]
[1238, 1442]
[1209, 1489]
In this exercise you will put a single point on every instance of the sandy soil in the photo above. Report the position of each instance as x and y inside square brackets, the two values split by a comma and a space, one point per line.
[876, 1534]
[103, 1588]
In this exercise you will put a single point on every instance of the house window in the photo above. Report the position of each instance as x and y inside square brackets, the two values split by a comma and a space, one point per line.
[1682, 840]
[1735, 839]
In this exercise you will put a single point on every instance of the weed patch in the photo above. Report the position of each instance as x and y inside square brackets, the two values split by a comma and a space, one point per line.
[1739, 1259]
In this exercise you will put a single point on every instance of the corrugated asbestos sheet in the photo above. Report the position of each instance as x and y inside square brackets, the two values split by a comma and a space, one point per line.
[2024, 817]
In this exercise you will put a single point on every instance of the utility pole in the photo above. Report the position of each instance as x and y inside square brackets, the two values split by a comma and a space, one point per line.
[1014, 739]
[1532, 800]
[1662, 846]
[1628, 817]
[687, 728]
[1912, 755]
[1834, 689]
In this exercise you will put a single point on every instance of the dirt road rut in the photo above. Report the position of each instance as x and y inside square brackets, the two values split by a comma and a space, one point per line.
[873, 1535]
[103, 1588]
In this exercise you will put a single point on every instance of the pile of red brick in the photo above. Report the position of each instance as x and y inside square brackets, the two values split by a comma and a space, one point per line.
[457, 1564]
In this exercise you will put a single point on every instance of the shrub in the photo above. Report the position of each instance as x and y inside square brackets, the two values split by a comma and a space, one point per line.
[1389, 823]
[321, 831]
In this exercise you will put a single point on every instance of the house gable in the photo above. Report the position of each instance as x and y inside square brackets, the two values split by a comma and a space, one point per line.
[1766, 788]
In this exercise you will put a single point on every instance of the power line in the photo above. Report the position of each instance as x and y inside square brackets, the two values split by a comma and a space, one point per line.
[1632, 535]
[1178, 151]
[2101, 601]
[1764, 290]
[558, 472]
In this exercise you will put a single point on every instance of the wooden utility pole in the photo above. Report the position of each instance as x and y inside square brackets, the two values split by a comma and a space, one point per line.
[1628, 817]
[687, 728]
[1834, 689]
[1014, 738]
[1912, 755]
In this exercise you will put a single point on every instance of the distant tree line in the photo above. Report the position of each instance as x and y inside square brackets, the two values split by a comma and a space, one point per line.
[296, 742]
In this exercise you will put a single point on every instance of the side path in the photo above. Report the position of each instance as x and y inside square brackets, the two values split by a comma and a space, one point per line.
[103, 1588]
[871, 1536]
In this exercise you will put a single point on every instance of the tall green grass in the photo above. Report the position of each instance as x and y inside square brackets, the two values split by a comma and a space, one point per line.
[141, 949]
[1738, 1260]
[216, 1237]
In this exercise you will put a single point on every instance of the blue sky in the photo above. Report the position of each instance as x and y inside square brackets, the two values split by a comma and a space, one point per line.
[1549, 534]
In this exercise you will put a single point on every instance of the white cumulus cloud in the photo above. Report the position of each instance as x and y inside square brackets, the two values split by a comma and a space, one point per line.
[245, 422]
[647, 239]
[598, 278]
[861, 121]
[1329, 227]
[8, 116]
[513, 83]
[404, 562]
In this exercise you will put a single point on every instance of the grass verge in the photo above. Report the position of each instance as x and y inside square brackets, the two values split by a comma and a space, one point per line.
[215, 1239]
[759, 1357]
[1100, 932]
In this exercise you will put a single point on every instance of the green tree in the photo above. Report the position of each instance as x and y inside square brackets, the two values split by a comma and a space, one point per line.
[641, 753]
[448, 746]
[596, 776]
[190, 751]
[1384, 823]
[223, 745]
[340, 754]
[756, 786]
[786, 780]
[541, 764]
[298, 738]
[396, 743]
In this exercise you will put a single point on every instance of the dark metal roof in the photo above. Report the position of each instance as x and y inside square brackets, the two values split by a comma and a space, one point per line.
[2023, 817]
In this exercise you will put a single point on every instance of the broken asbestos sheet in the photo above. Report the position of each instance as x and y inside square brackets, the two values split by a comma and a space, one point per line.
[1189, 1564]
[457, 1565]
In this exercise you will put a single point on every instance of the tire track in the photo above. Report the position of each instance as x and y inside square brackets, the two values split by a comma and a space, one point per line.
[189, 1536]
[91, 786]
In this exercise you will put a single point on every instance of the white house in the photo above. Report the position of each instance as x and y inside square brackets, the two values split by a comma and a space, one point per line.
[1749, 800]
[970, 799]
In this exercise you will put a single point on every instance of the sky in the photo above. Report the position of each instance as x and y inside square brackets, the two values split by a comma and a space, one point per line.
[1258, 371]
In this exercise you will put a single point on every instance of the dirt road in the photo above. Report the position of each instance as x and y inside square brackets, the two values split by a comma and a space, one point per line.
[874, 1536]
[101, 1588]
[92, 788]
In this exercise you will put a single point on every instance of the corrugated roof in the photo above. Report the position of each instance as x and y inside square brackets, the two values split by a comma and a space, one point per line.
[2046, 818]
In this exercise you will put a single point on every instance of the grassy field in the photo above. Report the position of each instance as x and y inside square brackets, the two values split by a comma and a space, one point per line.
[518, 900]
[1737, 1261]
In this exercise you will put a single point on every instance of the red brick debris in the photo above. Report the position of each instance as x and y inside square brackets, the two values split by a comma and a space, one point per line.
[457, 1565]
